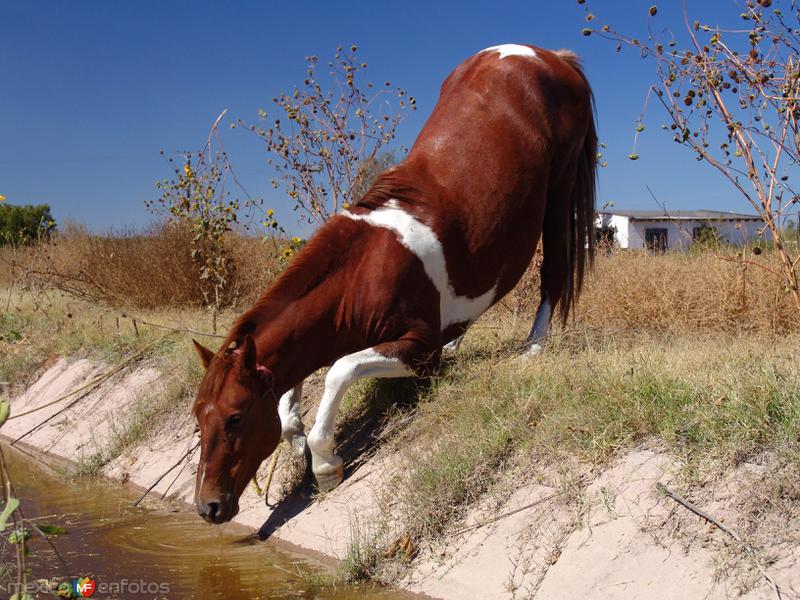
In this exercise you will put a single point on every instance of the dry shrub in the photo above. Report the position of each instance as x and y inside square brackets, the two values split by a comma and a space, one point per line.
[147, 269]
[676, 292]
[8, 274]
[256, 262]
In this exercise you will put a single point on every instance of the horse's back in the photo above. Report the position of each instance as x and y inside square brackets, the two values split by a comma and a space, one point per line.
[506, 120]
[521, 104]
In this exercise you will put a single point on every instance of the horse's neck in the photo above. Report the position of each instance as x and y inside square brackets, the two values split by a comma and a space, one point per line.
[299, 341]
[293, 323]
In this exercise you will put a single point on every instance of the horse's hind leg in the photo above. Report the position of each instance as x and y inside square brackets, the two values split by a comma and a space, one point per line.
[291, 425]
[451, 346]
[555, 270]
[541, 326]
[459, 331]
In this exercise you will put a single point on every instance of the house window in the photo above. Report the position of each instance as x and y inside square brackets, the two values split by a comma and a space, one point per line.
[655, 239]
[606, 236]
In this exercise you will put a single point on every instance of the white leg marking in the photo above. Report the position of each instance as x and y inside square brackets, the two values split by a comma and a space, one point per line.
[343, 373]
[291, 425]
[423, 243]
[511, 50]
[541, 325]
[451, 347]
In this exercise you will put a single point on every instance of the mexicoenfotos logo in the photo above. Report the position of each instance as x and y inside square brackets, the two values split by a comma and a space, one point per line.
[85, 587]
[82, 587]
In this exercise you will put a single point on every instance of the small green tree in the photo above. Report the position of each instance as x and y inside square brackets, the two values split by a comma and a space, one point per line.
[704, 237]
[22, 225]
[330, 135]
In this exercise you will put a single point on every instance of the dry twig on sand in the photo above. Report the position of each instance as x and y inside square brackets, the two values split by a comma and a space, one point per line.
[183, 457]
[84, 390]
[747, 548]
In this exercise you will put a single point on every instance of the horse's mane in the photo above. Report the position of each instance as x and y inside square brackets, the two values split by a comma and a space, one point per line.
[323, 254]
[389, 185]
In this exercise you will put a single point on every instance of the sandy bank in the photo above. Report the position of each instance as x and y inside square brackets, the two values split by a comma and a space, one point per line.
[626, 539]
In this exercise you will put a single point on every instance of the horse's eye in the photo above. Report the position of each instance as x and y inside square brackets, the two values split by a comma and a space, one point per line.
[234, 421]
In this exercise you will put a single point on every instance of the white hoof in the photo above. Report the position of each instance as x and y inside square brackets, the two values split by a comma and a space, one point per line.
[299, 445]
[533, 350]
[452, 347]
[328, 473]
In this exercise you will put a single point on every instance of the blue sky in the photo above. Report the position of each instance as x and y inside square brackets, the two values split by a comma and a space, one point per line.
[90, 91]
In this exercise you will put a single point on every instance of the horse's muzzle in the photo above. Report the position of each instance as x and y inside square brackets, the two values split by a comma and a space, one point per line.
[219, 510]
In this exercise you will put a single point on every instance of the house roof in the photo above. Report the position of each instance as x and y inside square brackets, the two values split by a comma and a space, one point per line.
[681, 215]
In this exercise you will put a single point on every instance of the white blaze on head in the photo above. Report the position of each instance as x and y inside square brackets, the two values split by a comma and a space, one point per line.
[511, 50]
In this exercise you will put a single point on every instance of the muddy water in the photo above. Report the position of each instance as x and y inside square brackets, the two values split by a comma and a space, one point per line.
[135, 553]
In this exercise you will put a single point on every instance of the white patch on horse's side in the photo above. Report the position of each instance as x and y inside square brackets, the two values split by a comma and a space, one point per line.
[423, 243]
[511, 50]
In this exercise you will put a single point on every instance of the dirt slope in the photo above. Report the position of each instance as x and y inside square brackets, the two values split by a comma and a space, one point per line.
[620, 538]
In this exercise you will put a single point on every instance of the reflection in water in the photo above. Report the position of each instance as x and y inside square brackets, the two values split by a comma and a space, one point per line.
[140, 550]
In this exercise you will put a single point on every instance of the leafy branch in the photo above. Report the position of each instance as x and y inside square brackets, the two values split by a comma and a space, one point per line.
[328, 138]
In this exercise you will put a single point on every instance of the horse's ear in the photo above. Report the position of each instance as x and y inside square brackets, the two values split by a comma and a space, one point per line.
[248, 349]
[205, 354]
[265, 375]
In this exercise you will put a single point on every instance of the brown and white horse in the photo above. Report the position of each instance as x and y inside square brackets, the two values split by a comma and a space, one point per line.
[507, 155]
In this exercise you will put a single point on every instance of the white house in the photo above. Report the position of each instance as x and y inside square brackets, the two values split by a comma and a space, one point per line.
[661, 231]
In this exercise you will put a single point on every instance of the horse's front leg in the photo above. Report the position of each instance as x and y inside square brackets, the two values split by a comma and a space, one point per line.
[292, 428]
[384, 360]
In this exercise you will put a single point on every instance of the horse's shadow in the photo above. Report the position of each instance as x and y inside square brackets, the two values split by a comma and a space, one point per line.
[357, 439]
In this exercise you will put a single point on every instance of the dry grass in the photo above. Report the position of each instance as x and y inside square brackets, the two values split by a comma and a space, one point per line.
[627, 290]
[148, 269]
[694, 350]
[687, 292]
[492, 419]
[41, 326]
[715, 400]
[676, 292]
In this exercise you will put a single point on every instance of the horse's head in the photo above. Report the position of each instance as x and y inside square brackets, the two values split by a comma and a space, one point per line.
[237, 414]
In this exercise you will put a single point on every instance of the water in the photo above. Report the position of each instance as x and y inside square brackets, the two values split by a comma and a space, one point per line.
[165, 553]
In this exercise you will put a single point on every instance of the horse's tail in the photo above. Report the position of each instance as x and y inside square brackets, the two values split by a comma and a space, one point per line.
[581, 239]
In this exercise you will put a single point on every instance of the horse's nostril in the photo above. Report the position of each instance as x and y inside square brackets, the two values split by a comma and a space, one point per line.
[208, 510]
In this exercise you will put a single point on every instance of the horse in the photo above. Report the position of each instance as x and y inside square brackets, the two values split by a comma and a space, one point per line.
[507, 156]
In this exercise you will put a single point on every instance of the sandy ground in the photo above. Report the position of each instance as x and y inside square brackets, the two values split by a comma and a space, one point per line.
[621, 539]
